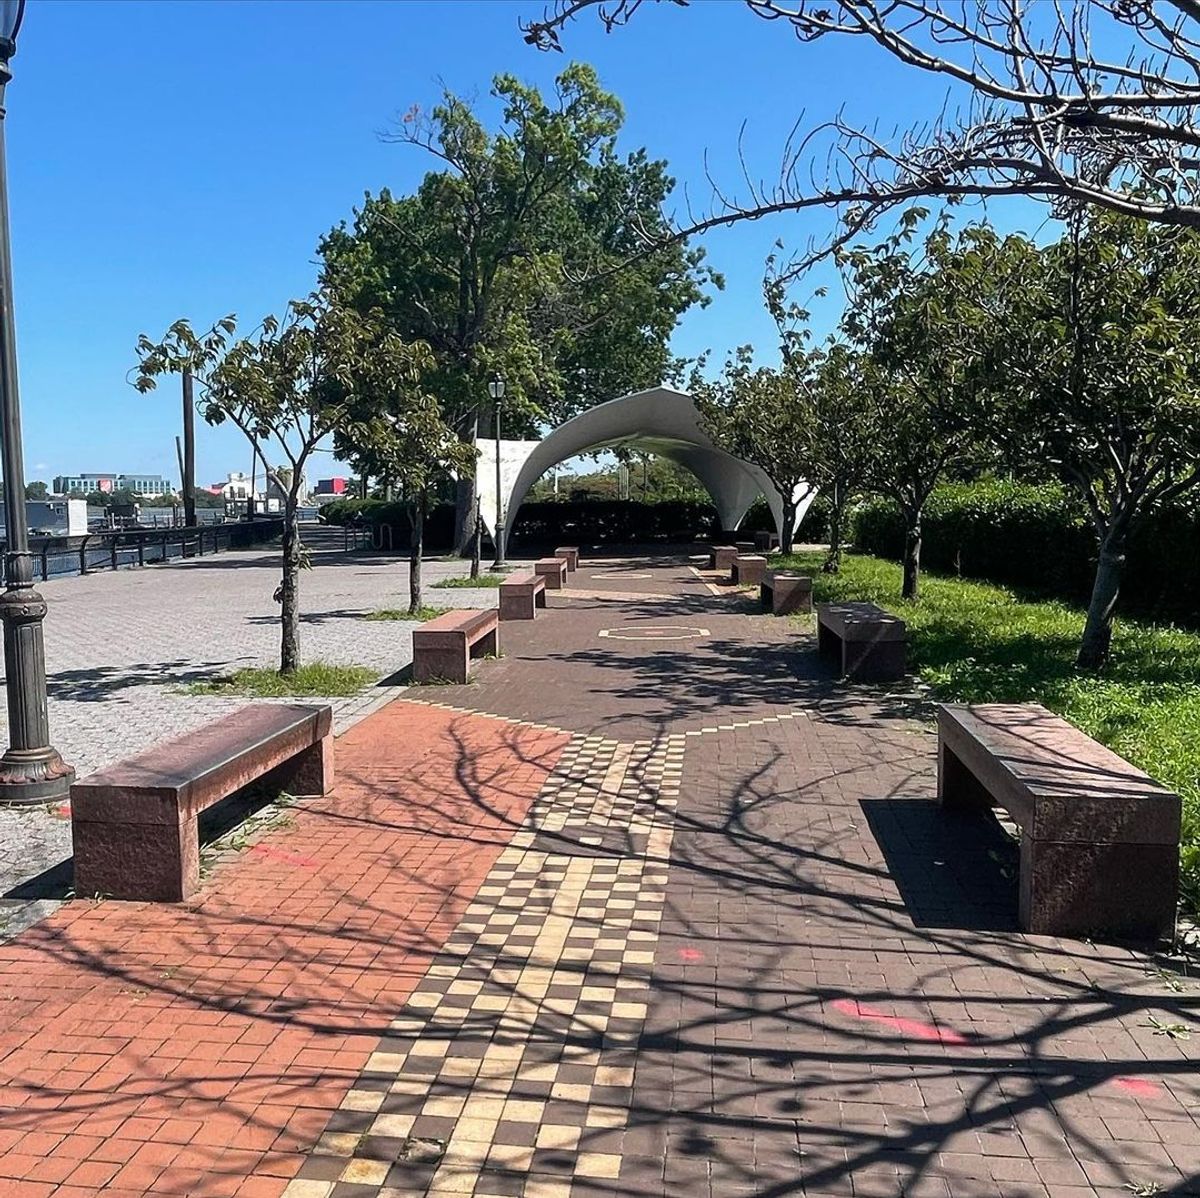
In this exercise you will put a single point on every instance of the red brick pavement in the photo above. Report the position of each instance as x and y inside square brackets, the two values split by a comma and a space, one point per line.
[199, 1049]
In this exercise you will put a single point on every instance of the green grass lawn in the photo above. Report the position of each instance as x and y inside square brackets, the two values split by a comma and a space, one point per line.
[484, 580]
[422, 613]
[318, 678]
[978, 643]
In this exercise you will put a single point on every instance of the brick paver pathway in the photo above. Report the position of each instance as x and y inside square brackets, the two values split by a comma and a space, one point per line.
[652, 907]
[122, 646]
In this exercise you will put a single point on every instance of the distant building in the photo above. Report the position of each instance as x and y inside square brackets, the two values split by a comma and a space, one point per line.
[138, 484]
[329, 489]
[237, 488]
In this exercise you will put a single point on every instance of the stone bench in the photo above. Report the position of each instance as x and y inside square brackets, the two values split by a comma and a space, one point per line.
[553, 570]
[783, 592]
[570, 555]
[748, 569]
[867, 643]
[1099, 838]
[443, 648]
[521, 595]
[135, 825]
[721, 557]
[764, 542]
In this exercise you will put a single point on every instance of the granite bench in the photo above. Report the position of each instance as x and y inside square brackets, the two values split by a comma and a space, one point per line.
[570, 555]
[443, 648]
[783, 592]
[553, 570]
[764, 542]
[135, 825]
[521, 595]
[721, 557]
[1099, 838]
[748, 569]
[867, 643]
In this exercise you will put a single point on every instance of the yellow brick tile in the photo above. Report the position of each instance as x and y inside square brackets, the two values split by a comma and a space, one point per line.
[598, 1164]
[556, 1135]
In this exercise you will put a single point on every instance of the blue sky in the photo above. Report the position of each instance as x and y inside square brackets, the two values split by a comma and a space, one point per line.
[182, 159]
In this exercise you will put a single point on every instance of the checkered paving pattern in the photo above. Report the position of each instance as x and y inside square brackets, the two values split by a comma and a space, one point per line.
[511, 1067]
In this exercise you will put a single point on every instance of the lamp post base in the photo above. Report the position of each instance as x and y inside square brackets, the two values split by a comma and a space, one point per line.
[32, 776]
[31, 769]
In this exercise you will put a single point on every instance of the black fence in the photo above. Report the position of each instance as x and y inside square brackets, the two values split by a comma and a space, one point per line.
[57, 557]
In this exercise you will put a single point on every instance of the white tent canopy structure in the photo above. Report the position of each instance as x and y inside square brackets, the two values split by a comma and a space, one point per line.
[659, 421]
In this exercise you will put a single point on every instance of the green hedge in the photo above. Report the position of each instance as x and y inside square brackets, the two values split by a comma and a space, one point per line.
[586, 521]
[1039, 539]
[550, 523]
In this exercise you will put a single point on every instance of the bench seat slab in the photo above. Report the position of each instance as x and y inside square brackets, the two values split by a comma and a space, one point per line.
[783, 593]
[135, 825]
[721, 557]
[570, 555]
[1099, 837]
[553, 570]
[521, 596]
[443, 648]
[867, 643]
[748, 569]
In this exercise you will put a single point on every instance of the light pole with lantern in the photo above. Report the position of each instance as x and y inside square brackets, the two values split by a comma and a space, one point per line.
[31, 770]
[496, 391]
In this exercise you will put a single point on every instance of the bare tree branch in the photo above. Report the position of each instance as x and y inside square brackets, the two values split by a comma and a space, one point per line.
[1095, 102]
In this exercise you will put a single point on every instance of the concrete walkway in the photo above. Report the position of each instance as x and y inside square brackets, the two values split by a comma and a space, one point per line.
[652, 907]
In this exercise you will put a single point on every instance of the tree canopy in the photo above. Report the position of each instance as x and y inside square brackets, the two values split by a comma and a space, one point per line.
[523, 254]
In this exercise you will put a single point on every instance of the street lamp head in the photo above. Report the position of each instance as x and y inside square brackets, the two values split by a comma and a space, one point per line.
[11, 14]
[496, 387]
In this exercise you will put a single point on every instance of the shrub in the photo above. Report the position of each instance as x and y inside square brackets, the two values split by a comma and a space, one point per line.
[1039, 539]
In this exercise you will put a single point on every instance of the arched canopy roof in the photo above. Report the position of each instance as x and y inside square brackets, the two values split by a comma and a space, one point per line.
[659, 421]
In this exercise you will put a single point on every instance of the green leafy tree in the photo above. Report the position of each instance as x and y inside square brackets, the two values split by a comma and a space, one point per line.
[758, 415]
[523, 255]
[840, 429]
[1097, 373]
[397, 431]
[36, 490]
[289, 385]
[843, 433]
[915, 315]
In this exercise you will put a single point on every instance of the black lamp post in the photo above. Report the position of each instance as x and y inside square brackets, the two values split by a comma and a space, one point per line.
[31, 771]
[496, 391]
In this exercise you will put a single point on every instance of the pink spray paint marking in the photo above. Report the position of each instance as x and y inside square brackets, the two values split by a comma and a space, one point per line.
[1139, 1087]
[691, 955]
[283, 855]
[909, 1027]
[63, 811]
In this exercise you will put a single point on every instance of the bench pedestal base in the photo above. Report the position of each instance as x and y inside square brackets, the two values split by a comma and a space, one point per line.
[1077, 888]
[156, 863]
[447, 656]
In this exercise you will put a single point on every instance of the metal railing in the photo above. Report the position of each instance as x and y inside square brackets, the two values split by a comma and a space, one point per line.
[57, 557]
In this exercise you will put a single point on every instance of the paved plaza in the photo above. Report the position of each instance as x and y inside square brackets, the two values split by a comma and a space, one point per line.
[121, 648]
[653, 906]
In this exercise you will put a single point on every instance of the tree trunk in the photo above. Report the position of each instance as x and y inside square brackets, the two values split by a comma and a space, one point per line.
[289, 590]
[787, 530]
[415, 550]
[477, 541]
[912, 556]
[464, 498]
[1097, 630]
[833, 560]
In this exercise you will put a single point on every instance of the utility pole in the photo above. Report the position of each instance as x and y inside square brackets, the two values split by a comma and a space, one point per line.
[189, 450]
